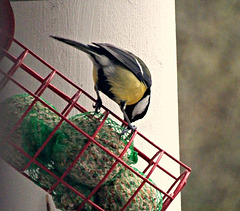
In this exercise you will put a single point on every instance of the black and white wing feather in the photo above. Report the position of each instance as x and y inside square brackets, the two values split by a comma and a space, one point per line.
[130, 61]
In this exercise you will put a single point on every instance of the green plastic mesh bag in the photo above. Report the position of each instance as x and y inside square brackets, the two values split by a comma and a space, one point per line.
[62, 150]
[11, 111]
[94, 163]
[66, 199]
[41, 177]
[114, 195]
[63, 197]
[36, 128]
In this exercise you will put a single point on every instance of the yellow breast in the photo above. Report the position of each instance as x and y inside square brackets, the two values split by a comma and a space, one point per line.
[126, 87]
[95, 74]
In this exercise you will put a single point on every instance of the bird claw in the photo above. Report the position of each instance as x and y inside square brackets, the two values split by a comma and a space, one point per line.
[129, 127]
[98, 106]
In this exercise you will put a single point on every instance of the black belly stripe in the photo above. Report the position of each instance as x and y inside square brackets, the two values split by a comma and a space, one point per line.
[103, 84]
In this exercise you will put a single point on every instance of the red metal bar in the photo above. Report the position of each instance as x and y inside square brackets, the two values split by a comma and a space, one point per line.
[144, 181]
[80, 153]
[183, 180]
[151, 162]
[168, 196]
[45, 83]
[13, 69]
[76, 96]
[53, 88]
[110, 170]
[147, 159]
[170, 156]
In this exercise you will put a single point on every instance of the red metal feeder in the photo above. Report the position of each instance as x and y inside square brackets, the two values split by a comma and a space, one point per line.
[154, 163]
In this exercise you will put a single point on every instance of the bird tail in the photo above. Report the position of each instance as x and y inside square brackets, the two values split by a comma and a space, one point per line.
[85, 48]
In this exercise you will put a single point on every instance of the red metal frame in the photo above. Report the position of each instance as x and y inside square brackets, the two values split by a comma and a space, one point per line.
[179, 181]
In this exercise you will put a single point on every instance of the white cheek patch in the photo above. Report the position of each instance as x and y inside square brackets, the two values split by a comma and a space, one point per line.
[141, 105]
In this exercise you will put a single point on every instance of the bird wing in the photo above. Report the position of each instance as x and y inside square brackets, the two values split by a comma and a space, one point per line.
[85, 48]
[130, 61]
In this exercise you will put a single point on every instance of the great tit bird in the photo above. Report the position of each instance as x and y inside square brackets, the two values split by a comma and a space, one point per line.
[120, 75]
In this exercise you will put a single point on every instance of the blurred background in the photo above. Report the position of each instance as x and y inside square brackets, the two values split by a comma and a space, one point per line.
[209, 102]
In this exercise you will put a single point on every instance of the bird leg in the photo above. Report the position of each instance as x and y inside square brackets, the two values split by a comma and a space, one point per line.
[130, 126]
[98, 103]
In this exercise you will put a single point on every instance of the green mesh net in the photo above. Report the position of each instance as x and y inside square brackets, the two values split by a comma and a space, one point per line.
[66, 199]
[63, 148]
[11, 111]
[114, 195]
[94, 163]
[41, 177]
[63, 197]
[36, 128]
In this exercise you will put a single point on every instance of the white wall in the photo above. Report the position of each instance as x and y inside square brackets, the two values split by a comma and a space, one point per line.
[146, 28]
